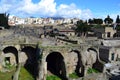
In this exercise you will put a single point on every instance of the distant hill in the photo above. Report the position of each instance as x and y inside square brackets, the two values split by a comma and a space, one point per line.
[56, 18]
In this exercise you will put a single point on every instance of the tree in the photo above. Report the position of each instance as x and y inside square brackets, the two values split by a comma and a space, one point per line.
[98, 21]
[4, 20]
[95, 21]
[108, 20]
[118, 19]
[118, 27]
[86, 22]
[90, 21]
[82, 28]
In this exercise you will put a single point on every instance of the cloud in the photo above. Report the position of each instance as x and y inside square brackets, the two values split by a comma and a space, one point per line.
[44, 8]
[68, 10]
[86, 14]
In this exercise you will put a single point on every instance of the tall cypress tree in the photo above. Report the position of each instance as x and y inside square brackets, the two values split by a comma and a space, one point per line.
[117, 19]
[4, 20]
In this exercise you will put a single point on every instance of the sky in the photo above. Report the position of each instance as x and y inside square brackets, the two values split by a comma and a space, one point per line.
[83, 9]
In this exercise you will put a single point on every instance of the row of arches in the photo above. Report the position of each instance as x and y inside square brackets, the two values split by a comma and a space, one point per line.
[56, 63]
[13, 56]
[28, 57]
[25, 56]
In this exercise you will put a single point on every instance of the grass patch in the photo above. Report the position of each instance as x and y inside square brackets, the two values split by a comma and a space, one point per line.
[7, 75]
[25, 75]
[53, 77]
[91, 70]
[73, 75]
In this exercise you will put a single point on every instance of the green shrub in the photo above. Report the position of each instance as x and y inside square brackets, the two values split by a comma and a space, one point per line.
[53, 77]
[73, 75]
[91, 70]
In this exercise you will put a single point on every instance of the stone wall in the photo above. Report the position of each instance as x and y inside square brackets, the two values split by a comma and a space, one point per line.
[104, 54]
[112, 42]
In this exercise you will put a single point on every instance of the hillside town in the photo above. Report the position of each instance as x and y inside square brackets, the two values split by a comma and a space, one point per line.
[13, 20]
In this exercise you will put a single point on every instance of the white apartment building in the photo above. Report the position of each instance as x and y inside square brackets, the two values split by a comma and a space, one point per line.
[66, 20]
[13, 20]
[74, 20]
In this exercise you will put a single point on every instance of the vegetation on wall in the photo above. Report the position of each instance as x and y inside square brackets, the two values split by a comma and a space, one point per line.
[52, 77]
[73, 75]
[92, 70]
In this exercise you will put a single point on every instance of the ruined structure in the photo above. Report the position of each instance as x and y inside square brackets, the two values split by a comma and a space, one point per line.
[53, 55]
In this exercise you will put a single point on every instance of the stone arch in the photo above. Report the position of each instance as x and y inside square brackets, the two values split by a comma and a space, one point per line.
[91, 48]
[93, 54]
[56, 64]
[88, 58]
[11, 55]
[77, 63]
[17, 46]
[98, 62]
[29, 53]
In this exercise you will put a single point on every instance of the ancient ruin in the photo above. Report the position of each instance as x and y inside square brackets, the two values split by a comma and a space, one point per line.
[60, 56]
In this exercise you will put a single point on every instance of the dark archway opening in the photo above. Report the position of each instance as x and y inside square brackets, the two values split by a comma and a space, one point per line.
[56, 65]
[13, 50]
[31, 62]
[7, 59]
[31, 54]
[115, 35]
[108, 34]
[92, 49]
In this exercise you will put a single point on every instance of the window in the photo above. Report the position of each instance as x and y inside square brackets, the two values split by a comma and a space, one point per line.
[108, 34]
[7, 60]
[112, 56]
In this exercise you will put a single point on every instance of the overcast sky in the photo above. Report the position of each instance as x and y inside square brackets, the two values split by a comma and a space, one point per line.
[83, 9]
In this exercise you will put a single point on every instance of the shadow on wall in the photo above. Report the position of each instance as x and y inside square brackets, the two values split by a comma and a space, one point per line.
[79, 65]
[56, 65]
[31, 62]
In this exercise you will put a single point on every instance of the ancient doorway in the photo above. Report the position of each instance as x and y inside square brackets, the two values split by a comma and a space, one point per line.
[30, 52]
[112, 56]
[56, 65]
[11, 55]
[108, 34]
